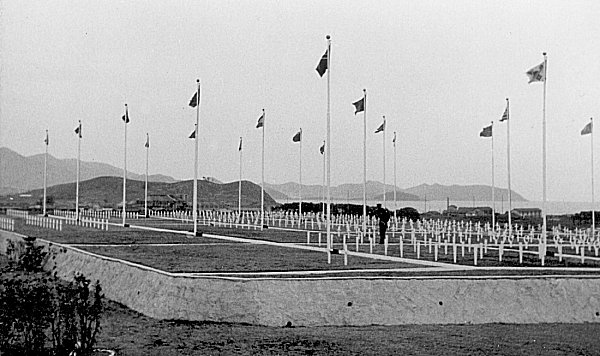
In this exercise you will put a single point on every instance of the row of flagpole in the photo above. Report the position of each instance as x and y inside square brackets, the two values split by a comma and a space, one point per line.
[536, 74]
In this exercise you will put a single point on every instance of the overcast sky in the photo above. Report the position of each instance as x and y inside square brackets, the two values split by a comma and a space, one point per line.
[438, 70]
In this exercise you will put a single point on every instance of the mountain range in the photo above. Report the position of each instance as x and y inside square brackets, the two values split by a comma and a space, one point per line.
[22, 174]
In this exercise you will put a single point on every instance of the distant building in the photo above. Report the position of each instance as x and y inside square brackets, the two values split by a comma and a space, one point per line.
[467, 212]
[527, 213]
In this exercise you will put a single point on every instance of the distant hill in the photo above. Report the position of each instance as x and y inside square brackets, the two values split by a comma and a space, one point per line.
[290, 190]
[461, 192]
[108, 192]
[19, 173]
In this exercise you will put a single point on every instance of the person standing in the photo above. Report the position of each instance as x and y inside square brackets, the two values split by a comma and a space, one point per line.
[384, 216]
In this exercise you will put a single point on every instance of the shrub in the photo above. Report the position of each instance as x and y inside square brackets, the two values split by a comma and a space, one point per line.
[42, 315]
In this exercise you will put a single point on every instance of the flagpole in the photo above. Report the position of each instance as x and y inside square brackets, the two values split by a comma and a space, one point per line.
[262, 184]
[508, 168]
[493, 187]
[383, 140]
[196, 138]
[328, 141]
[240, 183]
[300, 172]
[544, 223]
[125, 163]
[323, 188]
[364, 224]
[395, 190]
[592, 159]
[146, 185]
[78, 167]
[45, 175]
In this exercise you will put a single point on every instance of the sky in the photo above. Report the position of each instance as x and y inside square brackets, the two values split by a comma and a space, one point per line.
[438, 70]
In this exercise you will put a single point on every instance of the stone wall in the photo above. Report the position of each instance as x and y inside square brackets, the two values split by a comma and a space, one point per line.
[346, 301]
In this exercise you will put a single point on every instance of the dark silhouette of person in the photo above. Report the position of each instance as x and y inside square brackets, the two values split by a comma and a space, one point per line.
[384, 216]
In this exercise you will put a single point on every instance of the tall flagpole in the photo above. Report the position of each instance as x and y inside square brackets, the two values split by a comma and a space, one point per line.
[544, 223]
[395, 193]
[262, 183]
[323, 189]
[383, 139]
[125, 163]
[45, 174]
[240, 183]
[508, 168]
[364, 224]
[195, 200]
[300, 172]
[593, 205]
[328, 141]
[78, 167]
[146, 185]
[493, 187]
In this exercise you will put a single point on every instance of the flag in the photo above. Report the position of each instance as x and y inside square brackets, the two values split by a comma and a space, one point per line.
[537, 73]
[47, 140]
[147, 145]
[505, 115]
[240, 148]
[381, 127]
[394, 140]
[359, 105]
[298, 136]
[322, 149]
[126, 116]
[322, 66]
[78, 130]
[193, 134]
[261, 121]
[587, 129]
[194, 100]
[486, 132]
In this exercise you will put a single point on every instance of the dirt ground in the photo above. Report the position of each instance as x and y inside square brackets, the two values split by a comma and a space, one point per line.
[130, 333]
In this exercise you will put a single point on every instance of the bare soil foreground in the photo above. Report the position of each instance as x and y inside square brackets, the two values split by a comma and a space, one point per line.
[130, 333]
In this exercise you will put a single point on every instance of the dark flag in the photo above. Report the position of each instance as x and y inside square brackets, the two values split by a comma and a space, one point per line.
[380, 128]
[194, 100]
[322, 66]
[322, 149]
[240, 148]
[359, 105]
[486, 132]
[261, 121]
[147, 145]
[47, 140]
[297, 137]
[193, 134]
[78, 130]
[126, 116]
[587, 129]
[506, 114]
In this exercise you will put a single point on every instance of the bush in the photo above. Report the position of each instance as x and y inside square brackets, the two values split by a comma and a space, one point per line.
[42, 315]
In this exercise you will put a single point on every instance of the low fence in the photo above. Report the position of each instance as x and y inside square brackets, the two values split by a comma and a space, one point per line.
[339, 301]
[7, 224]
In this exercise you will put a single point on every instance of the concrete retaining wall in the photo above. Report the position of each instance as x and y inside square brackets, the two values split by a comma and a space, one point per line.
[312, 302]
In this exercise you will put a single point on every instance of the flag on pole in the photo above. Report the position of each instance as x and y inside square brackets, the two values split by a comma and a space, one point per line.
[587, 129]
[240, 148]
[261, 121]
[537, 73]
[47, 140]
[322, 66]
[78, 130]
[194, 100]
[394, 140]
[381, 127]
[505, 115]
[147, 145]
[126, 116]
[359, 106]
[322, 149]
[298, 136]
[486, 132]
[193, 134]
